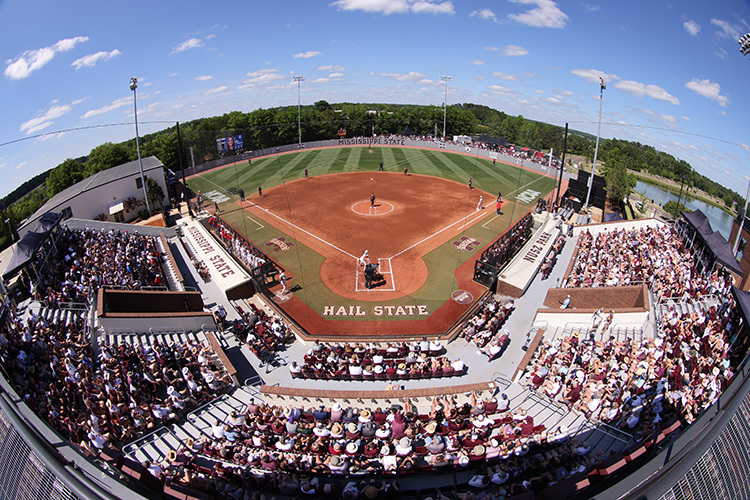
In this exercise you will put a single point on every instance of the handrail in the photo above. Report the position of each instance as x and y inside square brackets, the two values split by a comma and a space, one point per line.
[165, 329]
[62, 468]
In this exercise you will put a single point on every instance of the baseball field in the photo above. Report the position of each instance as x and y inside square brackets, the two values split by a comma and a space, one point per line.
[424, 230]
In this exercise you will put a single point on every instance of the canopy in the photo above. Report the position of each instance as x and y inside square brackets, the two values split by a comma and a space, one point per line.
[699, 221]
[488, 139]
[47, 222]
[614, 216]
[25, 251]
[408, 131]
[743, 300]
[722, 251]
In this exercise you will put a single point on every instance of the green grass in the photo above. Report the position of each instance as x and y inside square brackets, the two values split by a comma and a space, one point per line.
[304, 263]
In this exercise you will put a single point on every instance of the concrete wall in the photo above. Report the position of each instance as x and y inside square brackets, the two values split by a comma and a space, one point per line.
[621, 298]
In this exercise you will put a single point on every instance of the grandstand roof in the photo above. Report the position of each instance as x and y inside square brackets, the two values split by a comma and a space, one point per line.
[92, 182]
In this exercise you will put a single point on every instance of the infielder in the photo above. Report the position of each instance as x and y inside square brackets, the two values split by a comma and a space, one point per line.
[362, 261]
[479, 205]
[372, 200]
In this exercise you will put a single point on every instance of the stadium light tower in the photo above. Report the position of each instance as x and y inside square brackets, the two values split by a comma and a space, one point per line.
[133, 86]
[445, 79]
[745, 44]
[299, 79]
[602, 86]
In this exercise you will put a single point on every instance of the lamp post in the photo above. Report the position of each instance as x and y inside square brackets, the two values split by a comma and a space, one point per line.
[445, 79]
[299, 79]
[744, 42]
[133, 86]
[602, 86]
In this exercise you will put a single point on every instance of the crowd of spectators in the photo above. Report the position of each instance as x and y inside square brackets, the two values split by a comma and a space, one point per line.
[506, 247]
[483, 328]
[292, 450]
[263, 333]
[636, 384]
[392, 361]
[652, 255]
[551, 259]
[237, 244]
[89, 259]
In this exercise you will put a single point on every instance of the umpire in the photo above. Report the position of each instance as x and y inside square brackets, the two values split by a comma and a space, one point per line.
[370, 270]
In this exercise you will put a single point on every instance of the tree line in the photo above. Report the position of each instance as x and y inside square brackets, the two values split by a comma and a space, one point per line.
[265, 128]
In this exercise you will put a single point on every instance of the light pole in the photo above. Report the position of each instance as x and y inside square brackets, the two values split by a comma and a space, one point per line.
[299, 79]
[744, 42]
[602, 86]
[133, 86]
[445, 79]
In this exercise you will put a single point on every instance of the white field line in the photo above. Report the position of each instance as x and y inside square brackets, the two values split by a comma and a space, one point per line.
[485, 224]
[471, 221]
[432, 235]
[261, 225]
[306, 232]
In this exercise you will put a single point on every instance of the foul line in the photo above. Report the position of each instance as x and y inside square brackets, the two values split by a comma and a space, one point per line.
[432, 235]
[472, 221]
[485, 224]
[306, 232]
[261, 225]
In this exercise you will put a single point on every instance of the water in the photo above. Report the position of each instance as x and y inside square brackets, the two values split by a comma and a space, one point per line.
[720, 220]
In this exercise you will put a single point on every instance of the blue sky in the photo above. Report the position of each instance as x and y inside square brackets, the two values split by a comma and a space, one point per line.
[674, 70]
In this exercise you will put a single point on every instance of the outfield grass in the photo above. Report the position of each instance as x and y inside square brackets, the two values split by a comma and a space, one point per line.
[274, 170]
[304, 263]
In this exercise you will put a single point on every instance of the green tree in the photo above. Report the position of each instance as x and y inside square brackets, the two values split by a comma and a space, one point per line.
[674, 208]
[154, 192]
[63, 176]
[617, 178]
[106, 156]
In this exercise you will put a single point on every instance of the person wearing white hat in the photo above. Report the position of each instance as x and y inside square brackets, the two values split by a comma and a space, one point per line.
[362, 261]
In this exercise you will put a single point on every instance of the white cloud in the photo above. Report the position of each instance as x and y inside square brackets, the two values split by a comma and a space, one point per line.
[261, 77]
[177, 106]
[479, 77]
[45, 120]
[500, 88]
[388, 7]
[477, 62]
[539, 91]
[91, 59]
[514, 50]
[209, 37]
[485, 14]
[412, 76]
[427, 7]
[505, 76]
[32, 60]
[691, 27]
[21, 164]
[191, 43]
[174, 74]
[727, 30]
[687, 119]
[639, 89]
[592, 75]
[331, 67]
[545, 15]
[530, 75]
[564, 92]
[306, 55]
[217, 90]
[721, 53]
[708, 89]
[336, 75]
[490, 47]
[109, 107]
[203, 78]
[590, 7]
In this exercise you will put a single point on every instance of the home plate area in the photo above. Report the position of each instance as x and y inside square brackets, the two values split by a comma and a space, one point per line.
[383, 280]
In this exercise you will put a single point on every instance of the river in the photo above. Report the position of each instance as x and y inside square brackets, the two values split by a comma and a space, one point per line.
[720, 220]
